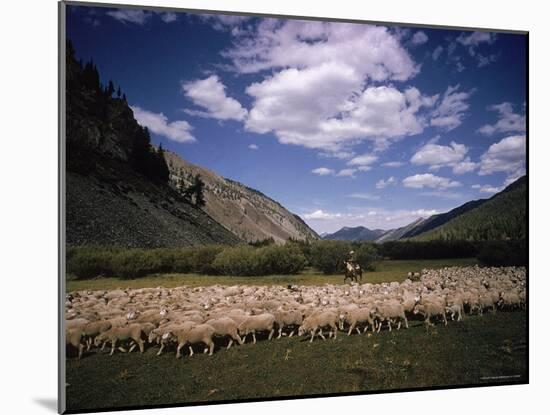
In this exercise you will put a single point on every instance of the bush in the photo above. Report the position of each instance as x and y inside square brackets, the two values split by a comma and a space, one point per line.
[275, 259]
[328, 256]
[201, 259]
[136, 263]
[248, 261]
[89, 263]
[366, 254]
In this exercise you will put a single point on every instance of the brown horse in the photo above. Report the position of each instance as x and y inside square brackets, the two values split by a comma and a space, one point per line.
[352, 272]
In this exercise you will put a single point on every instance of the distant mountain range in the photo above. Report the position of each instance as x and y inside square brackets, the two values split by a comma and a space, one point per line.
[358, 233]
[503, 216]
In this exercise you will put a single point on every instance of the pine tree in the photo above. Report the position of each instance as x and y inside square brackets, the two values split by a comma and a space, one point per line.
[118, 92]
[110, 89]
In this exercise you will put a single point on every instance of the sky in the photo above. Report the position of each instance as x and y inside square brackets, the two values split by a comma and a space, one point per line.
[345, 124]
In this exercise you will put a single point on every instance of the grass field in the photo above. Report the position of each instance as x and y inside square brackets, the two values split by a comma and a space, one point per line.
[479, 350]
[386, 271]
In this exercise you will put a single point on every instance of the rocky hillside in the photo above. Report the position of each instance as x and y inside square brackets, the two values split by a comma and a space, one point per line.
[357, 233]
[116, 190]
[246, 212]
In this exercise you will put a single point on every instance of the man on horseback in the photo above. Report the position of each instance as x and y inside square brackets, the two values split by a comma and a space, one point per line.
[353, 269]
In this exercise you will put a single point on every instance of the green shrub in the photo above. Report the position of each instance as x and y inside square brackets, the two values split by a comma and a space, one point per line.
[328, 256]
[136, 263]
[239, 260]
[201, 259]
[89, 263]
[275, 259]
[366, 254]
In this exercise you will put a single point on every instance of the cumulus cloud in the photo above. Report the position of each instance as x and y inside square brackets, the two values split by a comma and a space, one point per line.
[487, 188]
[179, 131]
[320, 214]
[508, 121]
[139, 17]
[323, 171]
[210, 94]
[346, 173]
[381, 184]
[372, 51]
[508, 156]
[364, 196]
[393, 164]
[169, 17]
[224, 22]
[363, 162]
[419, 38]
[420, 181]
[437, 156]
[324, 107]
[253, 147]
[451, 109]
[437, 52]
[472, 43]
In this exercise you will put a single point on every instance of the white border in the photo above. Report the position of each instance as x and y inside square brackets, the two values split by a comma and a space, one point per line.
[29, 210]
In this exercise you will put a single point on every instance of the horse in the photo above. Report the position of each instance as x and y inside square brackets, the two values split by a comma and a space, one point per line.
[352, 272]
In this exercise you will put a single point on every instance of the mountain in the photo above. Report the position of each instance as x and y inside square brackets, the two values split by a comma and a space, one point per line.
[395, 234]
[358, 233]
[440, 219]
[502, 217]
[120, 189]
[246, 212]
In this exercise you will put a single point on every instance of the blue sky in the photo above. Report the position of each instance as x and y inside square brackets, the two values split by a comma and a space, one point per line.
[344, 124]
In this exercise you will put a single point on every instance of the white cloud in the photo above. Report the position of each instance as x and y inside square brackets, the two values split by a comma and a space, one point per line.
[472, 42]
[508, 121]
[223, 22]
[508, 155]
[393, 164]
[169, 17]
[324, 107]
[179, 131]
[139, 17]
[419, 181]
[371, 51]
[323, 171]
[364, 196]
[322, 215]
[381, 184]
[437, 156]
[476, 38]
[363, 162]
[451, 109]
[210, 94]
[437, 52]
[487, 188]
[253, 147]
[419, 38]
[346, 173]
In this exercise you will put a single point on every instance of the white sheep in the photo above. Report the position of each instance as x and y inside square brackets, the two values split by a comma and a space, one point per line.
[317, 321]
[257, 323]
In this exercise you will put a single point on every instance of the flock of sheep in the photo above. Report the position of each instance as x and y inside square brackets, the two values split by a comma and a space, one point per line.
[186, 316]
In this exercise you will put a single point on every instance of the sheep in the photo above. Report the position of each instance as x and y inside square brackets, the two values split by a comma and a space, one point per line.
[201, 333]
[317, 321]
[73, 337]
[391, 310]
[253, 324]
[163, 334]
[132, 331]
[357, 316]
[287, 318]
[454, 310]
[429, 309]
[226, 326]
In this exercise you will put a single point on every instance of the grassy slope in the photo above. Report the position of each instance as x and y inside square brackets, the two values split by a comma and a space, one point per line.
[504, 216]
[386, 271]
[462, 353]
